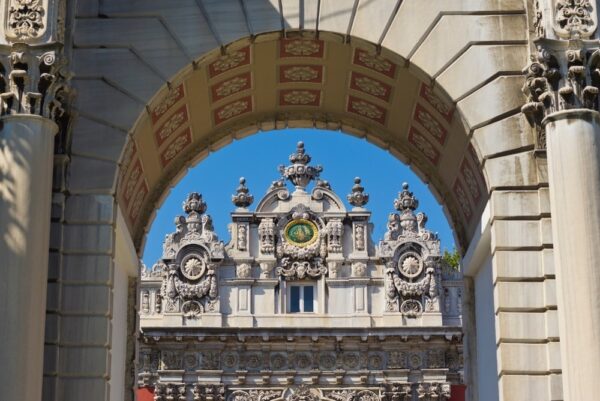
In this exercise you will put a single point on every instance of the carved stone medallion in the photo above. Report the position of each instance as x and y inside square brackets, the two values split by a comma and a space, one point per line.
[193, 267]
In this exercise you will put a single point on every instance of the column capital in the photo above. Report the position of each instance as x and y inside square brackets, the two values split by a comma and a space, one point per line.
[33, 80]
[562, 75]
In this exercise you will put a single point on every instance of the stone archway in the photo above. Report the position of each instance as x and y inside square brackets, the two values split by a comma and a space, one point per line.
[450, 108]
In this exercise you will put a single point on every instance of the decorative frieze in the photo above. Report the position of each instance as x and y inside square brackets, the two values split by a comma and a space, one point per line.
[428, 391]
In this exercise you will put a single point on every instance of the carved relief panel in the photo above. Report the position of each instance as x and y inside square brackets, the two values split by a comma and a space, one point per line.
[190, 257]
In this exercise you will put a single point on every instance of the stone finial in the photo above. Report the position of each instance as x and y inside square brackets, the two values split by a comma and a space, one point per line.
[242, 198]
[358, 197]
[299, 172]
[406, 200]
[194, 203]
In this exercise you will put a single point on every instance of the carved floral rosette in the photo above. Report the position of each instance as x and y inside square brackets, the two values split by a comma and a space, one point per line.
[575, 19]
[412, 281]
[34, 21]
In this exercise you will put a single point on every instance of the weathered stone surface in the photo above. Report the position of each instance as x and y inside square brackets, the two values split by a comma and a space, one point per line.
[87, 269]
[85, 330]
[86, 299]
[82, 168]
[85, 361]
[92, 238]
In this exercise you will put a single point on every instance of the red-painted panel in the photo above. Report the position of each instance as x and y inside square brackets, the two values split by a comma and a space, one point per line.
[145, 394]
[457, 392]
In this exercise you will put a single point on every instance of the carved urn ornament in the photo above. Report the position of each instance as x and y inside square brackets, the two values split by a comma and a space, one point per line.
[299, 172]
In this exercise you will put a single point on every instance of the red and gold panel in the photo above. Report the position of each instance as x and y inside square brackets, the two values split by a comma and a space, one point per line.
[233, 109]
[374, 62]
[463, 202]
[133, 177]
[179, 143]
[175, 95]
[366, 109]
[469, 176]
[446, 110]
[301, 48]
[299, 97]
[231, 86]
[370, 86]
[175, 121]
[301, 73]
[424, 145]
[229, 61]
[430, 123]
[138, 201]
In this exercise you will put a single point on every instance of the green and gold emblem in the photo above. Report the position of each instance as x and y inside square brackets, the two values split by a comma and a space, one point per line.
[301, 232]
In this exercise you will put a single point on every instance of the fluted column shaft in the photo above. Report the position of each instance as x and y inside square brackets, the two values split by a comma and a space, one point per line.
[26, 158]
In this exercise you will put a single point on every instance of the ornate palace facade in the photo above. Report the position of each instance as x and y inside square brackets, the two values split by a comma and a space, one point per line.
[301, 304]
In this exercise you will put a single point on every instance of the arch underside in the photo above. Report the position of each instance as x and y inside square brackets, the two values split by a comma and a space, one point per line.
[417, 97]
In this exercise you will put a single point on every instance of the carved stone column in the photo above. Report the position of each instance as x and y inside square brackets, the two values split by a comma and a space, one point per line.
[563, 93]
[26, 158]
[32, 91]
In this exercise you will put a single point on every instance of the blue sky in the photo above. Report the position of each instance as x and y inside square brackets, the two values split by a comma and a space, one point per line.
[257, 157]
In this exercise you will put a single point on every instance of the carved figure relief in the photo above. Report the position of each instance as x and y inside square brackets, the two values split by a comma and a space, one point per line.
[266, 232]
[335, 230]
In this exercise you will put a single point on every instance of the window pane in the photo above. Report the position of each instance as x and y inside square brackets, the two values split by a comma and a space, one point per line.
[308, 298]
[295, 299]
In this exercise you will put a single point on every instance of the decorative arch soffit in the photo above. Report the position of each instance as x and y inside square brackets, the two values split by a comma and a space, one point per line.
[327, 82]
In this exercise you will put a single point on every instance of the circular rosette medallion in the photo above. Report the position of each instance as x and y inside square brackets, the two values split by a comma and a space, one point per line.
[301, 232]
[193, 267]
[410, 265]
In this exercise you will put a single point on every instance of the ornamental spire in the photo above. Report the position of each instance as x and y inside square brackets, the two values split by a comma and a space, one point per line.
[299, 172]
[358, 198]
[194, 203]
[406, 200]
[242, 198]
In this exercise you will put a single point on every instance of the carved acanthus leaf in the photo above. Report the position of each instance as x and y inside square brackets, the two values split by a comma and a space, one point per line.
[33, 81]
